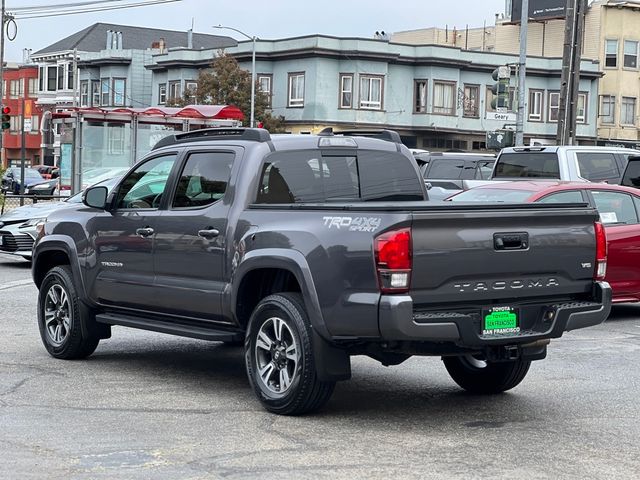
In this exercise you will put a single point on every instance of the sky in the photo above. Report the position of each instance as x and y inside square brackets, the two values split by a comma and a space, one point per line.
[268, 19]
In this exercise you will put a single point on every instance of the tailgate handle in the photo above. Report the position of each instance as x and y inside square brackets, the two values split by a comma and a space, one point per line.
[511, 241]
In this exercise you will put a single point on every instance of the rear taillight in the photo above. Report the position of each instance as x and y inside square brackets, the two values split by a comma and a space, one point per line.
[601, 252]
[393, 260]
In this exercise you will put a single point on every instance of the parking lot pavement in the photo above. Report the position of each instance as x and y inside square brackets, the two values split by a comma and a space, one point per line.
[147, 405]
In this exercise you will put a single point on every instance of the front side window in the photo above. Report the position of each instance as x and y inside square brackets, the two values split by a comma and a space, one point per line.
[630, 54]
[84, 93]
[346, 91]
[144, 186]
[611, 53]
[444, 98]
[104, 92]
[608, 108]
[119, 86]
[370, 92]
[535, 105]
[264, 85]
[628, 111]
[615, 207]
[597, 167]
[420, 96]
[296, 90]
[471, 101]
[204, 179]
[554, 106]
[571, 196]
[162, 93]
[632, 175]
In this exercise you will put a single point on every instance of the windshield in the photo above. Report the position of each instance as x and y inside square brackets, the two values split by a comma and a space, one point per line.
[500, 195]
[28, 173]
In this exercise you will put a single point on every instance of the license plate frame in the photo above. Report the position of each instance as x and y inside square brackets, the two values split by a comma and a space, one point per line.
[498, 321]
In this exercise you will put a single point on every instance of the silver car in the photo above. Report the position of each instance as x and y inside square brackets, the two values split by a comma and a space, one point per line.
[19, 227]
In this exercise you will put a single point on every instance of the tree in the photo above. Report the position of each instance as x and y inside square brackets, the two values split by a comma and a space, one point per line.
[225, 83]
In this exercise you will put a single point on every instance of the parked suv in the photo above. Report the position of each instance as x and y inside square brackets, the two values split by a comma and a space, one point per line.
[568, 163]
[309, 249]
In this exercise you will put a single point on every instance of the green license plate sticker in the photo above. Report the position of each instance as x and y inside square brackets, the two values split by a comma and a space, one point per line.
[500, 320]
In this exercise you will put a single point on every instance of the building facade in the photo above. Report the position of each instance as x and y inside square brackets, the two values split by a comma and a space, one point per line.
[437, 97]
[21, 89]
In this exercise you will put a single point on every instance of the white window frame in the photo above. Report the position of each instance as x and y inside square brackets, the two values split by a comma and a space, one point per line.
[420, 96]
[536, 104]
[607, 54]
[582, 118]
[105, 93]
[116, 102]
[116, 142]
[296, 98]
[84, 93]
[551, 107]
[369, 86]
[35, 124]
[633, 55]
[174, 92]
[265, 89]
[95, 86]
[439, 108]
[162, 93]
[32, 87]
[471, 107]
[346, 90]
[624, 111]
[608, 115]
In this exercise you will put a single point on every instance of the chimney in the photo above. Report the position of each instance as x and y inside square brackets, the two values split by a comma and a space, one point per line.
[119, 46]
[162, 45]
[190, 39]
[109, 39]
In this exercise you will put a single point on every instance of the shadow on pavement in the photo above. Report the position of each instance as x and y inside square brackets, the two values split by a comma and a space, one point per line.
[624, 311]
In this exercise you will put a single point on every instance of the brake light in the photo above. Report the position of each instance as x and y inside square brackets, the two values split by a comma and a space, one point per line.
[601, 252]
[393, 260]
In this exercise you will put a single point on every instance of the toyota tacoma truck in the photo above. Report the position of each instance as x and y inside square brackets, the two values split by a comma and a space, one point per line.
[309, 249]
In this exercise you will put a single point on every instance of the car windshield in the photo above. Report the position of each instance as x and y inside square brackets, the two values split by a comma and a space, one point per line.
[110, 183]
[28, 173]
[500, 195]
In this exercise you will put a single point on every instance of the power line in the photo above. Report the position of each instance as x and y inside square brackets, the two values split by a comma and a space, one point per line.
[92, 10]
[61, 5]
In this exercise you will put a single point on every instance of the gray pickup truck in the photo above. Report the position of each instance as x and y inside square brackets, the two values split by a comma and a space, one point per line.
[310, 249]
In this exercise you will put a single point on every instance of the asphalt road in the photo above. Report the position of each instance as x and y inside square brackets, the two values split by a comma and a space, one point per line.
[147, 405]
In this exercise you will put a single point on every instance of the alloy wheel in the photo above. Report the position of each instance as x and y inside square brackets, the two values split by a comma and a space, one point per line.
[57, 320]
[277, 355]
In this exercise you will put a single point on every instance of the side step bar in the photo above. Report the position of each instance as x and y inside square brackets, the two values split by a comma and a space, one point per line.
[180, 329]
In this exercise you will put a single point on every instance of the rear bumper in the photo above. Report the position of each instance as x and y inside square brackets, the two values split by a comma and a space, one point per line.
[399, 321]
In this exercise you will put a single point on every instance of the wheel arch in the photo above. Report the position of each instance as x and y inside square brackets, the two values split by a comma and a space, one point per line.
[51, 252]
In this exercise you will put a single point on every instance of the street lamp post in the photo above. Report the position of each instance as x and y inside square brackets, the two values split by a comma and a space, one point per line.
[253, 70]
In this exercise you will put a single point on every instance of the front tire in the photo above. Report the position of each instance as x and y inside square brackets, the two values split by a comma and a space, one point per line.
[479, 376]
[279, 357]
[59, 317]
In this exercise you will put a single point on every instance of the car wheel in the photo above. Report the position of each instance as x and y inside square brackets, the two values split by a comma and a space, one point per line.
[279, 357]
[59, 317]
[477, 375]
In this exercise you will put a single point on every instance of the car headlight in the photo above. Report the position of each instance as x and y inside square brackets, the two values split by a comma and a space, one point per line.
[33, 222]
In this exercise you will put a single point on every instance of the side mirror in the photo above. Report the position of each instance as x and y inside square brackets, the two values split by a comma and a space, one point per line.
[95, 197]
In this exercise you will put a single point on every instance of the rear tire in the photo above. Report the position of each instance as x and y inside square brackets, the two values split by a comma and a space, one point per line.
[59, 317]
[479, 376]
[279, 357]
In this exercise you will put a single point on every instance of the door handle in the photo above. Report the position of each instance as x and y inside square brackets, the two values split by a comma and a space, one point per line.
[144, 232]
[209, 233]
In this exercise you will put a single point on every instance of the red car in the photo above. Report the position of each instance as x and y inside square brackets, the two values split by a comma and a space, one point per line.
[619, 209]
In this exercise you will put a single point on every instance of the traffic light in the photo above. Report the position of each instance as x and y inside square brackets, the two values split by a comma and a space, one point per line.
[500, 89]
[6, 119]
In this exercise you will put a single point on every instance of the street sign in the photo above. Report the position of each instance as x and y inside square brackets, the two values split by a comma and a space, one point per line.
[27, 124]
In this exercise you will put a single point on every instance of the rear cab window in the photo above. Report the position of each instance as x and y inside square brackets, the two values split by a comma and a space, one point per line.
[527, 165]
[309, 176]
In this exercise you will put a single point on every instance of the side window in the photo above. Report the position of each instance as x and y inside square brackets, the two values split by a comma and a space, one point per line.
[204, 179]
[632, 174]
[597, 167]
[572, 196]
[446, 169]
[615, 207]
[144, 186]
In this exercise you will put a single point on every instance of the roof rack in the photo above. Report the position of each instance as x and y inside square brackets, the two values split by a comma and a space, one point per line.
[250, 134]
[387, 135]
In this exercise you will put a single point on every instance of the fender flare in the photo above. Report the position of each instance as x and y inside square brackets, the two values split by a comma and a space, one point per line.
[64, 244]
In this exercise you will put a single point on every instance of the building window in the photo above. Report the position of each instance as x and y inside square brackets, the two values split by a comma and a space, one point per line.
[14, 123]
[95, 93]
[119, 91]
[535, 105]
[51, 78]
[61, 77]
[346, 91]
[33, 87]
[84, 93]
[35, 124]
[608, 109]
[190, 90]
[104, 92]
[264, 85]
[581, 108]
[296, 90]
[174, 91]
[628, 111]
[630, 54]
[420, 96]
[554, 106]
[15, 88]
[471, 101]
[41, 75]
[611, 53]
[162, 93]
[444, 98]
[370, 92]
[70, 77]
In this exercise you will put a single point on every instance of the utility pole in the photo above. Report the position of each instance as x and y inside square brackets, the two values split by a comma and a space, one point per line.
[570, 80]
[2, 77]
[522, 72]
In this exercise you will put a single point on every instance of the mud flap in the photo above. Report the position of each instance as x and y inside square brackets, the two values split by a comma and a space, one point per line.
[332, 364]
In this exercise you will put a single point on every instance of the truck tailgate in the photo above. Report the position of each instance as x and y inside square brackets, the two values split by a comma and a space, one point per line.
[491, 255]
